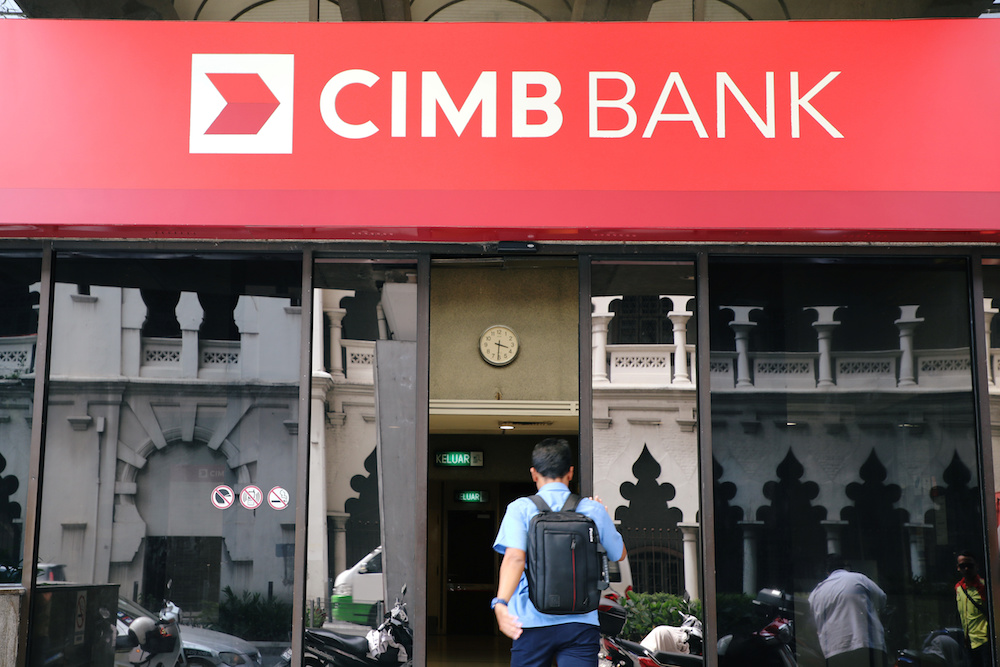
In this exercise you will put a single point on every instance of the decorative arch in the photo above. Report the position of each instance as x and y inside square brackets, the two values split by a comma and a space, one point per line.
[649, 527]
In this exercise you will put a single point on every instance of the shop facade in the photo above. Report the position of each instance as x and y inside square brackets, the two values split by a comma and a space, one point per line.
[248, 284]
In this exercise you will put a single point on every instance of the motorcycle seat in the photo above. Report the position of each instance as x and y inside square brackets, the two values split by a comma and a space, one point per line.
[677, 659]
[348, 644]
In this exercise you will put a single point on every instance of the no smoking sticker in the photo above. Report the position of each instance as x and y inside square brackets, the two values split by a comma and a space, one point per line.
[278, 498]
[223, 496]
[251, 497]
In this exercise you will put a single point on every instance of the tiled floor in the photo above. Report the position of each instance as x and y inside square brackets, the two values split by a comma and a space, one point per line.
[475, 651]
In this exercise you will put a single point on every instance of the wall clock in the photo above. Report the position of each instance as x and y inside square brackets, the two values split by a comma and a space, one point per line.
[498, 345]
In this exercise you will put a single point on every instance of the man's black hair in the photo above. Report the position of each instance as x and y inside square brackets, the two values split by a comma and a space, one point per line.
[552, 458]
[835, 562]
[967, 554]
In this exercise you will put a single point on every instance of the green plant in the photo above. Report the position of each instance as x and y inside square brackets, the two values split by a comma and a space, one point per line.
[10, 573]
[254, 617]
[315, 616]
[648, 610]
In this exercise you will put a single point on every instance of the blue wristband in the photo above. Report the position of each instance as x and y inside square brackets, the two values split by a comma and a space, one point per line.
[495, 601]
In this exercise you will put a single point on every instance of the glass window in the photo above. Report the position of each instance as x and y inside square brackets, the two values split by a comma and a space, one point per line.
[645, 437]
[19, 292]
[843, 422]
[171, 439]
[361, 303]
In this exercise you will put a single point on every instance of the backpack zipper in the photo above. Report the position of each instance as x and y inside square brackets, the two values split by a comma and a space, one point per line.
[572, 548]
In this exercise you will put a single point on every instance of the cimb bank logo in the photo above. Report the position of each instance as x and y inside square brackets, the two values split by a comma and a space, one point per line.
[241, 103]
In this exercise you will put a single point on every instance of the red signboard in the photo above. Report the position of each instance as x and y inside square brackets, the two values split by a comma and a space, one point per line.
[607, 131]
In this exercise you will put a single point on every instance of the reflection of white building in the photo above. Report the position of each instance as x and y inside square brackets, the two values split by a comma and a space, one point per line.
[644, 405]
[908, 410]
[141, 429]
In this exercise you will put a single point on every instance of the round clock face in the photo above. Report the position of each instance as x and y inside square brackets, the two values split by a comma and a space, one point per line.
[498, 345]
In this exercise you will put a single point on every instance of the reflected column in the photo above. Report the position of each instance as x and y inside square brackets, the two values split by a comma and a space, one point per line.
[918, 552]
[833, 531]
[317, 565]
[907, 323]
[317, 558]
[600, 319]
[692, 582]
[988, 313]
[339, 521]
[680, 316]
[824, 326]
[741, 326]
[751, 532]
[331, 306]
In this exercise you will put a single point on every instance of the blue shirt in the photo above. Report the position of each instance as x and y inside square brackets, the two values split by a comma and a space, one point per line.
[514, 534]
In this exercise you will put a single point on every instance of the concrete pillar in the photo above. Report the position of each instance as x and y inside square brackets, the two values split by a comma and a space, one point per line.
[918, 553]
[680, 316]
[692, 562]
[824, 326]
[600, 319]
[989, 312]
[751, 533]
[741, 326]
[906, 324]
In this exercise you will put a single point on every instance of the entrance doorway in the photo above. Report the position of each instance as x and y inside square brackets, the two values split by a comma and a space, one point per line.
[470, 574]
[503, 374]
[465, 507]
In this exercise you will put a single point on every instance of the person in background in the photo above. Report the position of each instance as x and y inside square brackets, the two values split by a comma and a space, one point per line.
[970, 596]
[846, 607]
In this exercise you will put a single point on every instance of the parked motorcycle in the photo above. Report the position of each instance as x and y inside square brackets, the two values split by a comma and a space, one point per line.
[152, 642]
[391, 643]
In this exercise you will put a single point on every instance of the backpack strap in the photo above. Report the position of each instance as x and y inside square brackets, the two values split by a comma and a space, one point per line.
[540, 504]
[571, 503]
[569, 506]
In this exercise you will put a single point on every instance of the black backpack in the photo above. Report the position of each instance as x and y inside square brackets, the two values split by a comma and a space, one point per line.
[567, 568]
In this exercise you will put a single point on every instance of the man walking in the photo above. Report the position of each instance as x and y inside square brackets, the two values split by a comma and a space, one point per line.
[846, 608]
[970, 596]
[572, 640]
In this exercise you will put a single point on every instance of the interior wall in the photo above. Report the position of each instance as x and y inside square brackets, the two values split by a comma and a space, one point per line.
[540, 303]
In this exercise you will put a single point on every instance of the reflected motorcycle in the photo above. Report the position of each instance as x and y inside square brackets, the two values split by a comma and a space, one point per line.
[770, 645]
[391, 643]
[767, 640]
[941, 648]
[154, 643]
[620, 652]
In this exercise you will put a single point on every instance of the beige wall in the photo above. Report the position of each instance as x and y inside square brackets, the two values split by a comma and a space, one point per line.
[539, 302]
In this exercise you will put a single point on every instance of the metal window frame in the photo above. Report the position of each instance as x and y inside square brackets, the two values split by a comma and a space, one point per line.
[37, 454]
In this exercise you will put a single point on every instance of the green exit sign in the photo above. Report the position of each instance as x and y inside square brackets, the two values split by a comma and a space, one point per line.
[459, 459]
[472, 496]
